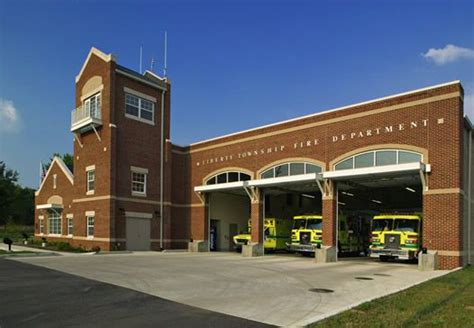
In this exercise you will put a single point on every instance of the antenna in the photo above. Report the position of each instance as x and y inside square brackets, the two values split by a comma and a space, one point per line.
[166, 50]
[152, 63]
[141, 57]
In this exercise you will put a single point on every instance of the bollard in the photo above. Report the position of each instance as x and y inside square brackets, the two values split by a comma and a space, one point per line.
[9, 242]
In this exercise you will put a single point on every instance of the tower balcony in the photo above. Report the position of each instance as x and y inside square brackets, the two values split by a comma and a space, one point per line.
[85, 118]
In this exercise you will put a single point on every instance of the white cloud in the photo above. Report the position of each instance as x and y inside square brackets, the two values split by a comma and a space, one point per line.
[448, 54]
[469, 105]
[9, 118]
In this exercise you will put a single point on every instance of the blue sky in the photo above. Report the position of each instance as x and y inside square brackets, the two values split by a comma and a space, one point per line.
[233, 65]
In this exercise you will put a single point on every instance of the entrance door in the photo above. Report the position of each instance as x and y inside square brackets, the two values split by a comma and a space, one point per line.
[138, 234]
[214, 235]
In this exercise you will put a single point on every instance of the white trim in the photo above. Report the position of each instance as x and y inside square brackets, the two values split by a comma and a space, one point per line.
[49, 206]
[41, 217]
[118, 70]
[139, 215]
[154, 75]
[377, 170]
[55, 179]
[90, 213]
[69, 216]
[98, 53]
[300, 178]
[63, 167]
[326, 112]
[91, 93]
[220, 186]
[137, 169]
[139, 94]
[139, 119]
[90, 167]
[90, 193]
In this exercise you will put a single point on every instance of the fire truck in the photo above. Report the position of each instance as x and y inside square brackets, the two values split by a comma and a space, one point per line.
[276, 235]
[307, 234]
[395, 236]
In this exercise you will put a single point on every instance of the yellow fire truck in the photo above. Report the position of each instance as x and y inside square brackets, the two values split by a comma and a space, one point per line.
[276, 234]
[395, 236]
[307, 234]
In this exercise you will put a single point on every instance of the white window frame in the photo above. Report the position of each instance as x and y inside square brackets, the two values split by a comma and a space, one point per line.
[86, 103]
[88, 225]
[56, 217]
[88, 170]
[138, 170]
[41, 224]
[288, 165]
[70, 226]
[374, 154]
[140, 108]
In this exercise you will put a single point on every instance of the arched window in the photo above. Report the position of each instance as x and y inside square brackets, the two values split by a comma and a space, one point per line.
[378, 158]
[291, 168]
[225, 177]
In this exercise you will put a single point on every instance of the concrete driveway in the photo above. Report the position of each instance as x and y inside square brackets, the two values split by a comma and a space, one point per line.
[275, 289]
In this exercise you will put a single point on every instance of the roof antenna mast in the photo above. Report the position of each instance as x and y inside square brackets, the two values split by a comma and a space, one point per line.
[166, 50]
[152, 63]
[141, 59]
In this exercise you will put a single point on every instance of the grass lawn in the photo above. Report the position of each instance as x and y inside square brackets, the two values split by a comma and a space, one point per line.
[447, 301]
[6, 253]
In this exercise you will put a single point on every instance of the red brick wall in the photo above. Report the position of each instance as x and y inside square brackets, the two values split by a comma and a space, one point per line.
[437, 135]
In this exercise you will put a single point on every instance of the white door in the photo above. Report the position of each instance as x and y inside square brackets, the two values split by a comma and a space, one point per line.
[138, 234]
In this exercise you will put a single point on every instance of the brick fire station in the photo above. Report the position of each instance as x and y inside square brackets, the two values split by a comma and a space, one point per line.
[133, 189]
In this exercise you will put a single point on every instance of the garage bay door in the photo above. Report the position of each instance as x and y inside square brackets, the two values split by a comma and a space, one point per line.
[138, 234]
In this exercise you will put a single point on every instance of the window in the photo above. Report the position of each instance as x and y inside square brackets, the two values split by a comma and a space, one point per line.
[138, 183]
[288, 169]
[70, 226]
[139, 108]
[92, 106]
[41, 225]
[378, 158]
[90, 181]
[90, 226]
[226, 177]
[54, 224]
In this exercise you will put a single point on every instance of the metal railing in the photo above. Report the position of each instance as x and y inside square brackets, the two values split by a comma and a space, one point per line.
[84, 113]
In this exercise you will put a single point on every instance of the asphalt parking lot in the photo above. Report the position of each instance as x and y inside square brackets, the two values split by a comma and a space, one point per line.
[276, 290]
[33, 296]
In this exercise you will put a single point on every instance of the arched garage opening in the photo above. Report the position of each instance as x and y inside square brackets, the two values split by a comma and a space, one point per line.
[379, 202]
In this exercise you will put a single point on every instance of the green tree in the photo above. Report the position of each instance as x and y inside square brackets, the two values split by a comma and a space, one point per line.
[8, 188]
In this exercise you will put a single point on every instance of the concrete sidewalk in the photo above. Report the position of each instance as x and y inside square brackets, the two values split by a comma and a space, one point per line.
[274, 289]
[20, 248]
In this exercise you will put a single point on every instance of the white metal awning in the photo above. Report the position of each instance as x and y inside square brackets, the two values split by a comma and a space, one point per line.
[220, 186]
[49, 207]
[377, 171]
[261, 183]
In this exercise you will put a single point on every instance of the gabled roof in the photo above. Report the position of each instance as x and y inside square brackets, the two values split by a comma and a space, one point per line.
[99, 54]
[57, 160]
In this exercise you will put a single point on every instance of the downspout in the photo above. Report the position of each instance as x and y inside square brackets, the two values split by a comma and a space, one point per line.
[162, 166]
[469, 198]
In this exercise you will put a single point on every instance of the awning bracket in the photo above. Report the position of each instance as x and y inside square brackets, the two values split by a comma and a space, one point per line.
[424, 179]
[96, 133]
[252, 193]
[78, 140]
[201, 197]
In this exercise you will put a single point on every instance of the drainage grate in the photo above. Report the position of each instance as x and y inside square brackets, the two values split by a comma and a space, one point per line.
[382, 274]
[364, 278]
[321, 290]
